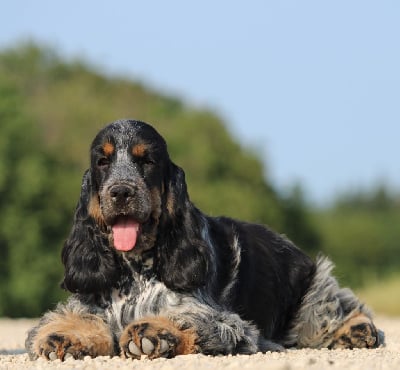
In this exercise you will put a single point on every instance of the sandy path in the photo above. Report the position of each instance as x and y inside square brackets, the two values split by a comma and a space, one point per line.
[12, 336]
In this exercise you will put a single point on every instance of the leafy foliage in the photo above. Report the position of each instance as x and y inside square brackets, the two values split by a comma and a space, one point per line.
[361, 234]
[30, 210]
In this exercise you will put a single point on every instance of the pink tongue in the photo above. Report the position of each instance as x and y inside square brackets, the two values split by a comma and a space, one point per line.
[125, 233]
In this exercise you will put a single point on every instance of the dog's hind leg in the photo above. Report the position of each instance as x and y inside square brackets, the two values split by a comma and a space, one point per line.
[332, 317]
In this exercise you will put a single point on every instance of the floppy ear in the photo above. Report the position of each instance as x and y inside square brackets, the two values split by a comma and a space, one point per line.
[90, 265]
[177, 197]
[184, 265]
[183, 255]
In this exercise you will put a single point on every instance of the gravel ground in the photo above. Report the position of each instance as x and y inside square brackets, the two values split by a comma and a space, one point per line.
[13, 356]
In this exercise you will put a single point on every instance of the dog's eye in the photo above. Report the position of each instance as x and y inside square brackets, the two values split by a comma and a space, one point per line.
[149, 161]
[103, 162]
[144, 160]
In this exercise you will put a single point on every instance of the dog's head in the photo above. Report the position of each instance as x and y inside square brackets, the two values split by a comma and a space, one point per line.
[133, 197]
[131, 174]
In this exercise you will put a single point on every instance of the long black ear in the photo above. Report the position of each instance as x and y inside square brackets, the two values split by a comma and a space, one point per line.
[90, 265]
[177, 195]
[183, 254]
[184, 264]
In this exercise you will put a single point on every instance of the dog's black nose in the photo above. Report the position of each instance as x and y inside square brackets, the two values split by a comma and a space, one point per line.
[122, 193]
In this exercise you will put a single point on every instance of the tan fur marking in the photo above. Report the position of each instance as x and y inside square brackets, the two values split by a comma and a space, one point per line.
[139, 150]
[108, 148]
[355, 320]
[95, 210]
[156, 203]
[348, 336]
[160, 325]
[81, 333]
[187, 345]
[170, 203]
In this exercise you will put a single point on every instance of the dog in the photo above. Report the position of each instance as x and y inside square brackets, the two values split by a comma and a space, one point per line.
[150, 274]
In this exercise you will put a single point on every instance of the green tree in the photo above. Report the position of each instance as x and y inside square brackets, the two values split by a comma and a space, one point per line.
[298, 221]
[360, 233]
[31, 218]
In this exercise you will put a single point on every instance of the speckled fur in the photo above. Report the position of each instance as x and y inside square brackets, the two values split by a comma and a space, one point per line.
[192, 283]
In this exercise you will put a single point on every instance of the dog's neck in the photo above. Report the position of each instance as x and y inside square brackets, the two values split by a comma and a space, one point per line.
[140, 263]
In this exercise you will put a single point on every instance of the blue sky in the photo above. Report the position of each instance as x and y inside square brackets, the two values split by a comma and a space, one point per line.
[313, 86]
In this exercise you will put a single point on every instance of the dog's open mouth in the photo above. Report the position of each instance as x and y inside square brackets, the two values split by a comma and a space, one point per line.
[125, 233]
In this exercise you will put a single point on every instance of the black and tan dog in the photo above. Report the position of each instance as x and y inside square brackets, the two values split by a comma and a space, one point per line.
[152, 275]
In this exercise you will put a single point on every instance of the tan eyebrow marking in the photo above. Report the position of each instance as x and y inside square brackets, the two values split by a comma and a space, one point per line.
[139, 150]
[108, 148]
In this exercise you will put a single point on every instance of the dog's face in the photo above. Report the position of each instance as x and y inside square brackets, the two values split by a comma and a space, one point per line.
[133, 199]
[129, 167]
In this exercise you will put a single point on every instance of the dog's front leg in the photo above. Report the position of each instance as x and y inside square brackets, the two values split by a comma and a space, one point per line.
[70, 332]
[195, 328]
[221, 332]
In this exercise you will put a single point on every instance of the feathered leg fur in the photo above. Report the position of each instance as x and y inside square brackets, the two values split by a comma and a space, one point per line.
[332, 317]
[70, 331]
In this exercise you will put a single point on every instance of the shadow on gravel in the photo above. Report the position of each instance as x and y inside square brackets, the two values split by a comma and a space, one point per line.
[12, 351]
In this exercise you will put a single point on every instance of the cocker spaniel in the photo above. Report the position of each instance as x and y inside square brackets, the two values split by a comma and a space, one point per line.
[150, 274]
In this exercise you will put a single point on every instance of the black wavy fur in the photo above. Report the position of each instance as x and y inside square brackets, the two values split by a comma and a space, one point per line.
[240, 286]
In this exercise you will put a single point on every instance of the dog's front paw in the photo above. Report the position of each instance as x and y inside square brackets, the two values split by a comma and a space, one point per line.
[57, 346]
[68, 335]
[358, 332]
[155, 337]
[144, 338]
